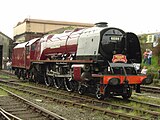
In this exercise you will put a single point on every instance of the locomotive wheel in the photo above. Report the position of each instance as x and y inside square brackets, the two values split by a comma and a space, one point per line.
[99, 95]
[69, 85]
[38, 78]
[82, 89]
[48, 80]
[16, 72]
[19, 74]
[128, 94]
[57, 83]
[23, 74]
[31, 77]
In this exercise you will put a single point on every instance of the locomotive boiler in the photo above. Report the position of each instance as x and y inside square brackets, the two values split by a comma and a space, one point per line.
[98, 60]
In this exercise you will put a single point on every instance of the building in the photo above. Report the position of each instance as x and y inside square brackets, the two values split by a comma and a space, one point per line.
[5, 49]
[31, 28]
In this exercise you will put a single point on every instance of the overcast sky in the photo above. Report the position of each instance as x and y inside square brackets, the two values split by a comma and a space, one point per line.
[138, 16]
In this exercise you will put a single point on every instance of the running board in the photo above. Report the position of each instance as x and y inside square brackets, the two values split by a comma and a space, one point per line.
[60, 76]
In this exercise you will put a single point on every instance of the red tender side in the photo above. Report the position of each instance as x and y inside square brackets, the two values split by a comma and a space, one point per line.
[18, 57]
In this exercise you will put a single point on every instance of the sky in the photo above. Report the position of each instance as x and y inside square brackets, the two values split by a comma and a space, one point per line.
[138, 16]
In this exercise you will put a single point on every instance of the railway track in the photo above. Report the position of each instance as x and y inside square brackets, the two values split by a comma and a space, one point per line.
[86, 102]
[143, 112]
[4, 115]
[63, 92]
[14, 107]
[151, 89]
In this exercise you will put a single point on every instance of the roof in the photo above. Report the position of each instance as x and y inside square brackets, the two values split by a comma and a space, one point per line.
[56, 22]
[28, 43]
[5, 36]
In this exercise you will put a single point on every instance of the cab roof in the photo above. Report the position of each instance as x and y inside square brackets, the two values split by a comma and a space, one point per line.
[28, 43]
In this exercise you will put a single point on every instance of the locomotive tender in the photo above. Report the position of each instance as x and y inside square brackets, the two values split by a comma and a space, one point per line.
[97, 60]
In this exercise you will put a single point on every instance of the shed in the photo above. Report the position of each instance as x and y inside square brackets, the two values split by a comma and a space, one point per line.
[5, 49]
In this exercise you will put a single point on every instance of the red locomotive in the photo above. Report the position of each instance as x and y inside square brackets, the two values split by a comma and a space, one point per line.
[98, 60]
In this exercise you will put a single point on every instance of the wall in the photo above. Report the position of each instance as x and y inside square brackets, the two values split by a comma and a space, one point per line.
[19, 29]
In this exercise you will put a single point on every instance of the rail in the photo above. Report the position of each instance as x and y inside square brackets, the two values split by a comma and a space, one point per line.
[45, 112]
[8, 116]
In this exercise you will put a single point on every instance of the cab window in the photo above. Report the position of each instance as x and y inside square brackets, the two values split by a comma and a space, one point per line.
[27, 50]
[33, 47]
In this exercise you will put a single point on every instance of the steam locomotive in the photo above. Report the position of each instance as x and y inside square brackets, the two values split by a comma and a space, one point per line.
[99, 60]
